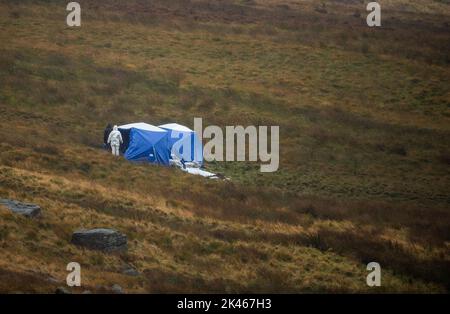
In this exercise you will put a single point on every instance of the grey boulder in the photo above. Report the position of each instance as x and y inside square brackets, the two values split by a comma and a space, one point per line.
[106, 240]
[25, 209]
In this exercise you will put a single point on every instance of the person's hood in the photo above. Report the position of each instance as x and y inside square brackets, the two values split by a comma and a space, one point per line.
[115, 128]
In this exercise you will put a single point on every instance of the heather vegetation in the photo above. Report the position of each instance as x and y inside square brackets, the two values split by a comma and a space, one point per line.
[364, 153]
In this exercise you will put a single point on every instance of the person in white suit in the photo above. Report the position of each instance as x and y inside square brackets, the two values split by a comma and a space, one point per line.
[115, 139]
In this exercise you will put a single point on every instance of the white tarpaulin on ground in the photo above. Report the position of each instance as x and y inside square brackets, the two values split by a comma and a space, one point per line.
[200, 172]
[192, 168]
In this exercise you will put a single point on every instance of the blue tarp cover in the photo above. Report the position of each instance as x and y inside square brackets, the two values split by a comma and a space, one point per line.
[148, 146]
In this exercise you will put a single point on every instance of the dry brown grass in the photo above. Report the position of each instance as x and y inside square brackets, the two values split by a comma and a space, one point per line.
[364, 166]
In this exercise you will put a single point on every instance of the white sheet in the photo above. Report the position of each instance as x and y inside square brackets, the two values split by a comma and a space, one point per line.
[198, 171]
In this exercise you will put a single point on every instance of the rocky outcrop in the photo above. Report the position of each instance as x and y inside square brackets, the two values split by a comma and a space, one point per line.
[106, 240]
[25, 209]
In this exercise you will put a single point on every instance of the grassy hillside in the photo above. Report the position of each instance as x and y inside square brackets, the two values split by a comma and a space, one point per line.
[364, 129]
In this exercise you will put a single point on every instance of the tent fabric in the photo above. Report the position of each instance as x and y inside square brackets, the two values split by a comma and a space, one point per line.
[145, 142]
[183, 143]
[175, 127]
[142, 126]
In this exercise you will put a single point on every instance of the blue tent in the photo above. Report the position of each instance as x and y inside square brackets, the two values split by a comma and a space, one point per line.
[145, 142]
[183, 143]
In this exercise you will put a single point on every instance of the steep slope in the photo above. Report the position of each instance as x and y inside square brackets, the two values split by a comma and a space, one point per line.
[363, 116]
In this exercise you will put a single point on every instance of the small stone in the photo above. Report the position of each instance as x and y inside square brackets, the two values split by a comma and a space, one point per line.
[62, 290]
[107, 240]
[25, 209]
[129, 270]
[117, 289]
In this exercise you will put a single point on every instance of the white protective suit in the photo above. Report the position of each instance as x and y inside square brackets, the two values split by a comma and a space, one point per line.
[115, 139]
